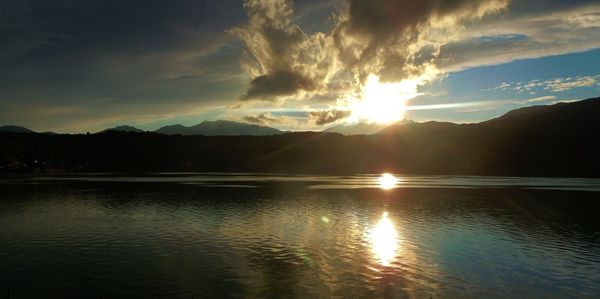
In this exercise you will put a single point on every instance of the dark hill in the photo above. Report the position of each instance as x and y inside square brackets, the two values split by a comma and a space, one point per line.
[356, 129]
[124, 128]
[557, 140]
[579, 114]
[15, 129]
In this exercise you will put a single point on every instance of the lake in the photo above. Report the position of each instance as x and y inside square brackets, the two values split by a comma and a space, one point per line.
[191, 235]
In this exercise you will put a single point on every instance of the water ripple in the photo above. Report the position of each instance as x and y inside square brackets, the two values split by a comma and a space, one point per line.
[123, 237]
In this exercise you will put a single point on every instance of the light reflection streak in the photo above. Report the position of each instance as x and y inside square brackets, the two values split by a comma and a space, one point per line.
[384, 241]
[458, 105]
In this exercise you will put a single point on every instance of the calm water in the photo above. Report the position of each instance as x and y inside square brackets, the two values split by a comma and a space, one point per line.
[207, 235]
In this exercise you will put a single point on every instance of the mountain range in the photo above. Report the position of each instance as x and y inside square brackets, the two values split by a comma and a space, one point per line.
[225, 128]
[206, 128]
[219, 128]
[553, 140]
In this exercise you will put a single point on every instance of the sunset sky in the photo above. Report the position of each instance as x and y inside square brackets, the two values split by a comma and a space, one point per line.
[75, 66]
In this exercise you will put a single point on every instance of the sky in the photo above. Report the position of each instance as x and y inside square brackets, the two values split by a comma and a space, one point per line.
[75, 66]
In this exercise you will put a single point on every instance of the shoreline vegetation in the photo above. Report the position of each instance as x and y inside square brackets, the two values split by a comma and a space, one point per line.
[550, 141]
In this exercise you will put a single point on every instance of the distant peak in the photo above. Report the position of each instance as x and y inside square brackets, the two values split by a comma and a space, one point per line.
[124, 128]
[219, 128]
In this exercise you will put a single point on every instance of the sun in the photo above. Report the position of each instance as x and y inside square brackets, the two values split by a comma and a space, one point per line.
[382, 103]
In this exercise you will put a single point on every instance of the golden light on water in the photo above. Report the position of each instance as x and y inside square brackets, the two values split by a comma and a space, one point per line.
[387, 181]
[384, 240]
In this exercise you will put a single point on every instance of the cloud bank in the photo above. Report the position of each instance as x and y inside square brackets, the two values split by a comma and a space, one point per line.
[393, 39]
[403, 39]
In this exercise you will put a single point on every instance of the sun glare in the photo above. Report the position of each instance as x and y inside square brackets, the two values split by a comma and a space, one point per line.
[382, 103]
[387, 181]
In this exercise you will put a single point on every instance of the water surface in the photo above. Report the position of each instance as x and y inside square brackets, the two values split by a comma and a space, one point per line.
[266, 235]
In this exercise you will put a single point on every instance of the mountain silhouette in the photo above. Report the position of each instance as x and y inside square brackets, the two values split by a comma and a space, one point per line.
[555, 140]
[124, 128]
[174, 130]
[219, 128]
[15, 129]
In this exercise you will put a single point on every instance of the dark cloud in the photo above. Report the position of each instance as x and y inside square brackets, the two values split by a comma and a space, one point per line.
[104, 57]
[397, 39]
[327, 117]
[278, 83]
[380, 20]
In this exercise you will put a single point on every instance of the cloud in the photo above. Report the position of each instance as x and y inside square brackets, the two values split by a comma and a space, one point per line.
[278, 83]
[561, 84]
[525, 33]
[320, 118]
[399, 39]
[283, 120]
[502, 86]
[550, 85]
[541, 99]
[393, 39]
[262, 119]
[280, 57]
[71, 56]
[404, 39]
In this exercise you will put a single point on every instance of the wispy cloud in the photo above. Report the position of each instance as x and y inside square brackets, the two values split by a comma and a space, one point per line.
[550, 85]
[568, 28]
[562, 84]
[541, 99]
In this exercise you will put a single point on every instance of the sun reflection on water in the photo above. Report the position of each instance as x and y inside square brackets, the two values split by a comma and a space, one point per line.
[384, 240]
[387, 181]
